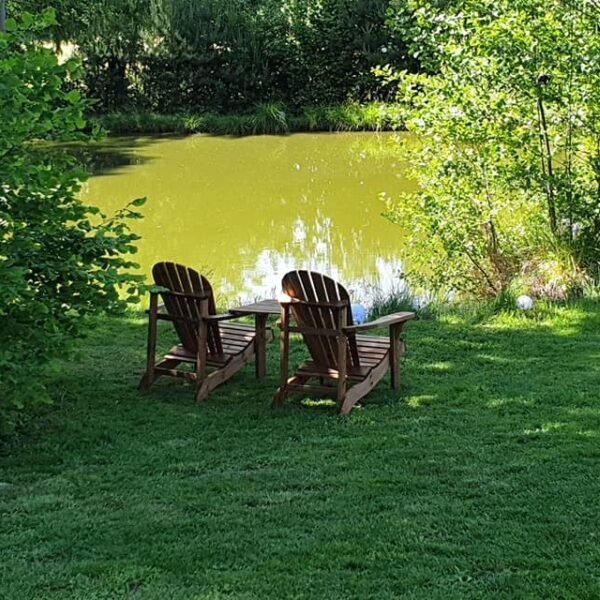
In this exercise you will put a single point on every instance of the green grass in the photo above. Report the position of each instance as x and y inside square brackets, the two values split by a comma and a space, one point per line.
[271, 119]
[479, 479]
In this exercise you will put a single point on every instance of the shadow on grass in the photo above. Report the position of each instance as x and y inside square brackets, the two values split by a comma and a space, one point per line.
[479, 479]
[547, 372]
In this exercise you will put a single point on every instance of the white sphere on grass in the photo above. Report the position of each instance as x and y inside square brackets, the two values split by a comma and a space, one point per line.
[524, 302]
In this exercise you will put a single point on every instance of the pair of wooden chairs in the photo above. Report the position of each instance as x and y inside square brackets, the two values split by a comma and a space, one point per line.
[343, 362]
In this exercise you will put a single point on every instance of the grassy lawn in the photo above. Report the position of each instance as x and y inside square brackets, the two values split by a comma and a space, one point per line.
[481, 478]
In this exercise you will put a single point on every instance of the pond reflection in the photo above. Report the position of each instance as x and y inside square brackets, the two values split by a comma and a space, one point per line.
[247, 210]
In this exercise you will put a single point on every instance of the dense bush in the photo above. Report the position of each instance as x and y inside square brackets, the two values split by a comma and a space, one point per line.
[60, 261]
[229, 55]
[269, 118]
[508, 164]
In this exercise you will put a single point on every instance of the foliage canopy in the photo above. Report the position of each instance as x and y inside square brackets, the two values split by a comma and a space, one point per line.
[60, 260]
[228, 55]
[509, 159]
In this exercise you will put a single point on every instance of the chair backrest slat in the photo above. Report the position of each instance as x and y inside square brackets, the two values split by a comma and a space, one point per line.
[179, 278]
[319, 317]
[337, 291]
[314, 287]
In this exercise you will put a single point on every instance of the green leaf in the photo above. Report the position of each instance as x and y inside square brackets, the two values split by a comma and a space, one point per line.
[49, 17]
[74, 96]
[27, 20]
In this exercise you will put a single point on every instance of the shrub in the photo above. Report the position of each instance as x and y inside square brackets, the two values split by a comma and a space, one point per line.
[269, 119]
[60, 261]
[508, 164]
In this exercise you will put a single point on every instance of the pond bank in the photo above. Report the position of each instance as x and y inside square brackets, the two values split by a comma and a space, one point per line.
[265, 119]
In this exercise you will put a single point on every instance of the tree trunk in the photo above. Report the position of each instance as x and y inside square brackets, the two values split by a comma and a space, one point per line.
[2, 15]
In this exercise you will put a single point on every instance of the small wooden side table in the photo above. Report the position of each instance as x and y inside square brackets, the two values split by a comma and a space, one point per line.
[261, 311]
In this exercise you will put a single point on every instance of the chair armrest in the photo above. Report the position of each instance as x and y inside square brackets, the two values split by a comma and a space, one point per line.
[165, 292]
[387, 321]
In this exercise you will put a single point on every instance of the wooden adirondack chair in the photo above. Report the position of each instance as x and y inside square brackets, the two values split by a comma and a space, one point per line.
[321, 312]
[206, 338]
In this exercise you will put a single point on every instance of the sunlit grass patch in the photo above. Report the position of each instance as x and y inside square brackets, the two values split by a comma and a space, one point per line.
[321, 403]
[419, 401]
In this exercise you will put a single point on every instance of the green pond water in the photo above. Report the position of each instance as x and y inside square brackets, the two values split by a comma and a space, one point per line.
[247, 210]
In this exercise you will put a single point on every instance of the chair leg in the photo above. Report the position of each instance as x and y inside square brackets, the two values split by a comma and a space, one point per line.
[395, 352]
[284, 349]
[260, 327]
[280, 395]
[341, 383]
[149, 376]
[146, 382]
[202, 391]
[201, 387]
[362, 388]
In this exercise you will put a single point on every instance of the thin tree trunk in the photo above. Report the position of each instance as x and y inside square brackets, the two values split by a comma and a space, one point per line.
[547, 166]
[2, 15]
[478, 266]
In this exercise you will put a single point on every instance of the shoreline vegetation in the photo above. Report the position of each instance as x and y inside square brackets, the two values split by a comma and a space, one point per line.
[265, 119]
